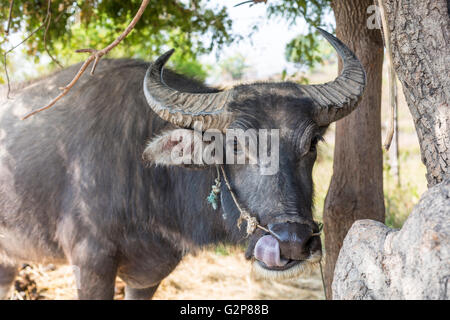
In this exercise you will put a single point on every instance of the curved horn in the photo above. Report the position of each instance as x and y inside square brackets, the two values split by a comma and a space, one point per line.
[185, 109]
[334, 100]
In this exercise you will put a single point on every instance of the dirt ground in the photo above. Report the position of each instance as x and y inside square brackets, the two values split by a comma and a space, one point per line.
[211, 274]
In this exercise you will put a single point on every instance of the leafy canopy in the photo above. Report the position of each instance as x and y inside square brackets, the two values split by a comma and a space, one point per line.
[305, 49]
[192, 26]
[96, 23]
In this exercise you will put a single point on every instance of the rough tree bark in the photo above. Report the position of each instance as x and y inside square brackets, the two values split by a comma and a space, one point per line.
[356, 189]
[380, 263]
[420, 37]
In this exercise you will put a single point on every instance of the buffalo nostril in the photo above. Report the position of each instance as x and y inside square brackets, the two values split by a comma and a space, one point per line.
[296, 240]
[314, 244]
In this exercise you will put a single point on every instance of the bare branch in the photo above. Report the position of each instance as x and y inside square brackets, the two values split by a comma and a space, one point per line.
[392, 79]
[393, 106]
[11, 4]
[64, 89]
[250, 1]
[95, 56]
[7, 76]
[5, 62]
[85, 50]
[49, 14]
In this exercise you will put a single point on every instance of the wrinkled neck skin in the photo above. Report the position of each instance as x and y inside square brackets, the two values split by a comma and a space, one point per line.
[184, 216]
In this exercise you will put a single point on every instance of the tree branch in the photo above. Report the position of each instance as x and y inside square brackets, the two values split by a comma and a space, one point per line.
[49, 14]
[248, 1]
[24, 40]
[95, 56]
[11, 4]
[392, 80]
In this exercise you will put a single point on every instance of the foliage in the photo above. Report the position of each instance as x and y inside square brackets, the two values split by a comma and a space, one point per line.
[190, 26]
[311, 10]
[400, 199]
[305, 49]
[235, 66]
[186, 64]
[185, 25]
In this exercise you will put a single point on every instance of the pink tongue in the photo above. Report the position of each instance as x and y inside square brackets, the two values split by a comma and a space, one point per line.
[267, 250]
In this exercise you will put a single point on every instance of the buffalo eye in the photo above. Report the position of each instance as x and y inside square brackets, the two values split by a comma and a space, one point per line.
[314, 142]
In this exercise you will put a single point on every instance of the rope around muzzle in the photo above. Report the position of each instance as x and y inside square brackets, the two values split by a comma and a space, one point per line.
[252, 222]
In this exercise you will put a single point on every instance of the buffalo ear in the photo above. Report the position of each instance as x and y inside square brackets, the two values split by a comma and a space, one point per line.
[178, 147]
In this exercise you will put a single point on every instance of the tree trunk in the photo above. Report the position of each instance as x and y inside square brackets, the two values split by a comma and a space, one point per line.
[356, 189]
[420, 37]
[412, 263]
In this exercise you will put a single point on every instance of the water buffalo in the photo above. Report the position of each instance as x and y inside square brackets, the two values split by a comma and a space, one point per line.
[74, 187]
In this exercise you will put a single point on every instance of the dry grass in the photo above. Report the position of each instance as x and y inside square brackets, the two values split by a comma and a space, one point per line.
[211, 274]
[216, 276]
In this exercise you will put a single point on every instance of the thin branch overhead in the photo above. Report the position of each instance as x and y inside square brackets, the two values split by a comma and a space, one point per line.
[11, 5]
[250, 1]
[5, 55]
[95, 56]
[49, 20]
[392, 79]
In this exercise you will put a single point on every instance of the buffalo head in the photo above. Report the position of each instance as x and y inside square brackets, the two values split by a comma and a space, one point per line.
[281, 201]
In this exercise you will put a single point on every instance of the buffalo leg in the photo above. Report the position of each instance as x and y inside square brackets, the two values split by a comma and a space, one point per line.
[95, 279]
[140, 294]
[7, 275]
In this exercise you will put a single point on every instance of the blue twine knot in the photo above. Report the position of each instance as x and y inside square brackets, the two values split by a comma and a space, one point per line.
[213, 197]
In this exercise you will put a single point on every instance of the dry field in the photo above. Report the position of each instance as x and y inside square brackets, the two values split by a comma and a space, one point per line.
[211, 274]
